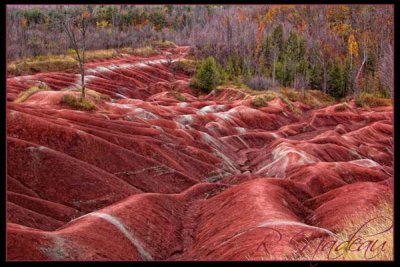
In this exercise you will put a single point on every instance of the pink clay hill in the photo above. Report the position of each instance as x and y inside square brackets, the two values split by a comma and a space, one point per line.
[148, 175]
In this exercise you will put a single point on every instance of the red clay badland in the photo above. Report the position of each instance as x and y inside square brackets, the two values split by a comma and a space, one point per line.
[149, 177]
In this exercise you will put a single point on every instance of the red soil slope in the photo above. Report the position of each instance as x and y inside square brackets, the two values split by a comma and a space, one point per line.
[149, 177]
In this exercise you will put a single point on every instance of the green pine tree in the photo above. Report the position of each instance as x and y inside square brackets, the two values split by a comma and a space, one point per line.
[208, 75]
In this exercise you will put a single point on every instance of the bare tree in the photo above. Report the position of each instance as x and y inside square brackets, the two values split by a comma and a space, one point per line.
[276, 47]
[364, 26]
[324, 46]
[116, 24]
[386, 68]
[73, 25]
[362, 66]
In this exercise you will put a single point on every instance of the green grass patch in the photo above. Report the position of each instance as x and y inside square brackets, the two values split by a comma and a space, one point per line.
[178, 96]
[359, 103]
[23, 96]
[181, 97]
[77, 103]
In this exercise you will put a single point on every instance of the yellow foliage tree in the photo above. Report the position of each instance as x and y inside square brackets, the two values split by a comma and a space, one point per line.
[270, 14]
[102, 24]
[352, 47]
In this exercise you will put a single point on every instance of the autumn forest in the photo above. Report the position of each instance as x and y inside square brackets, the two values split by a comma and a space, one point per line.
[340, 50]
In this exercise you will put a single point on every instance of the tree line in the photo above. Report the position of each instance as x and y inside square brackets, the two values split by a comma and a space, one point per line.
[339, 49]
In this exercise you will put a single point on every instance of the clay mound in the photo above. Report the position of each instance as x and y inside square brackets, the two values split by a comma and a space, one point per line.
[377, 132]
[113, 233]
[54, 80]
[51, 209]
[114, 159]
[227, 95]
[40, 167]
[16, 186]
[132, 78]
[270, 208]
[295, 129]
[52, 99]
[322, 177]
[325, 118]
[331, 210]
[276, 212]
[193, 227]
[27, 217]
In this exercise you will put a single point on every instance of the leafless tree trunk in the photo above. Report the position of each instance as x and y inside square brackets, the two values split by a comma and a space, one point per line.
[386, 68]
[229, 31]
[325, 73]
[116, 20]
[365, 57]
[273, 69]
[324, 87]
[70, 24]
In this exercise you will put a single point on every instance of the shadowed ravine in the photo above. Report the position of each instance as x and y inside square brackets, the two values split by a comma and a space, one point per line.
[149, 177]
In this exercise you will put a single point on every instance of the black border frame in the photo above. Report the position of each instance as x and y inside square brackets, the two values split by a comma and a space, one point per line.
[396, 5]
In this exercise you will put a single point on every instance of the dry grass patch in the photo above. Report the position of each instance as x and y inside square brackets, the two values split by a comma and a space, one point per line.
[69, 62]
[96, 95]
[23, 96]
[323, 98]
[98, 54]
[291, 94]
[262, 98]
[366, 237]
[313, 98]
[77, 103]
[290, 105]
[188, 67]
[269, 95]
[342, 107]
[144, 51]
[42, 64]
[259, 102]
[165, 44]
[372, 100]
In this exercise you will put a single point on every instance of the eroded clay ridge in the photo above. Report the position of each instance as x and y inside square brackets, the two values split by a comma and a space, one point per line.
[149, 177]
